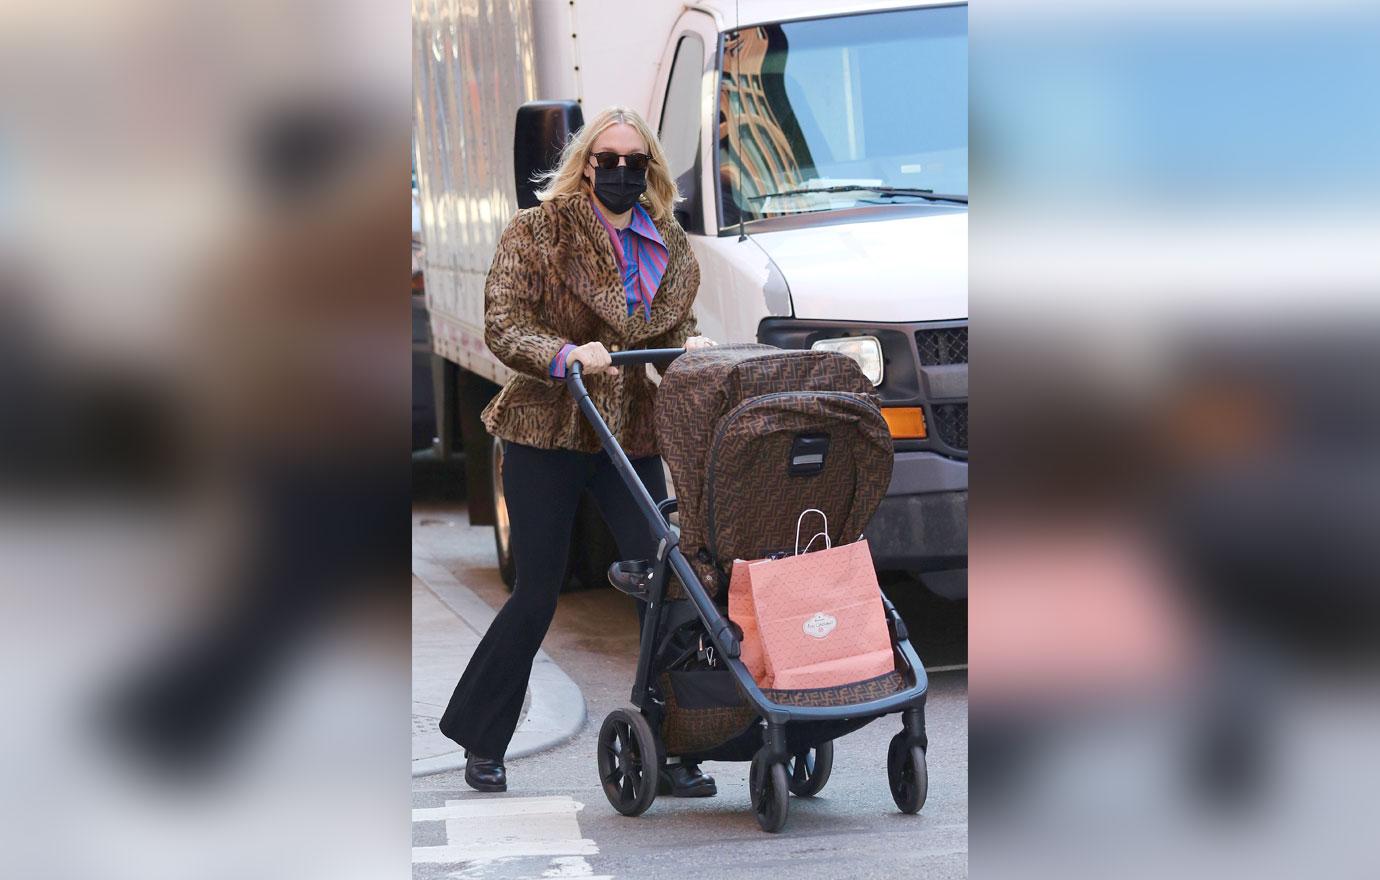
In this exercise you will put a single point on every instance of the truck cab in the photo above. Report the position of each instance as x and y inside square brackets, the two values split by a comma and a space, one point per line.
[824, 166]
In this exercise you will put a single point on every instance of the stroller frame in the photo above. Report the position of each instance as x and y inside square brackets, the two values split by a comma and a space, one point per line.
[910, 743]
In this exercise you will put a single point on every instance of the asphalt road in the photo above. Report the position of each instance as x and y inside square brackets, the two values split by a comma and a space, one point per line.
[851, 829]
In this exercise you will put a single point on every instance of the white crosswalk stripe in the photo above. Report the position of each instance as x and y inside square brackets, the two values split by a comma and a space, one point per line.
[572, 867]
[480, 830]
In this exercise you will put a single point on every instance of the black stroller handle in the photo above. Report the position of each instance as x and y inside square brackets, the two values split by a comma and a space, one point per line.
[645, 356]
[574, 375]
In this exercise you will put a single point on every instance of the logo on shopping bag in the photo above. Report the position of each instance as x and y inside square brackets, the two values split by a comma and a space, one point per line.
[820, 625]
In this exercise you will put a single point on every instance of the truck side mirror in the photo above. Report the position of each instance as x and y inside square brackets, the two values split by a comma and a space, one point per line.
[543, 127]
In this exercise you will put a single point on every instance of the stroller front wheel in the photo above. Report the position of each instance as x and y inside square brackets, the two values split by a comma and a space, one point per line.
[810, 770]
[628, 761]
[908, 774]
[769, 786]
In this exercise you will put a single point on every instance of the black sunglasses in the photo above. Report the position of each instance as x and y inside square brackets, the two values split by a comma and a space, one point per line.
[608, 160]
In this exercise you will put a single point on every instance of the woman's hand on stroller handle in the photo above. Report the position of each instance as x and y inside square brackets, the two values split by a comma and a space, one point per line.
[634, 357]
[591, 357]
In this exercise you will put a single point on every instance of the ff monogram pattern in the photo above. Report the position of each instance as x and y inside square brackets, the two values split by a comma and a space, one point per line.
[847, 695]
[718, 440]
[686, 731]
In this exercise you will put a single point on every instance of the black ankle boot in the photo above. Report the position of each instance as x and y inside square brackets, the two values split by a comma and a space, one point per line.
[684, 779]
[485, 774]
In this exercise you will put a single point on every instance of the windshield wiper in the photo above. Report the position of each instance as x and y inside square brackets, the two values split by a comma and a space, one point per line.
[928, 194]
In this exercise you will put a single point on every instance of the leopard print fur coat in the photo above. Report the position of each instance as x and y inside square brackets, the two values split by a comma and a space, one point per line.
[555, 280]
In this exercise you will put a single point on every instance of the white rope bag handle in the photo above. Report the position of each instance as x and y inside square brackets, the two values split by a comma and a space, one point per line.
[828, 545]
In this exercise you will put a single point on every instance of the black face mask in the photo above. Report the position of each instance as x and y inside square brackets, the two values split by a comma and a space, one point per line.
[618, 188]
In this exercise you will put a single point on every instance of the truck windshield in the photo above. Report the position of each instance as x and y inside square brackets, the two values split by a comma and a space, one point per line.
[854, 110]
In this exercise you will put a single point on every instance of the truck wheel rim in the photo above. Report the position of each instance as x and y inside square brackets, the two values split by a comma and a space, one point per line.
[501, 525]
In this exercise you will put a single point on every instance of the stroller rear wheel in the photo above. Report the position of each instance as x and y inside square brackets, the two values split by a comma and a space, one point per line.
[628, 761]
[810, 770]
[907, 773]
[768, 784]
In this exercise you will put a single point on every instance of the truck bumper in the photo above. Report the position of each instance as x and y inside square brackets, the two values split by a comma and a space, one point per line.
[922, 523]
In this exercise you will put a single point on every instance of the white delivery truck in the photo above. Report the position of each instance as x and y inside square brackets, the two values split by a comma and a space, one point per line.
[822, 149]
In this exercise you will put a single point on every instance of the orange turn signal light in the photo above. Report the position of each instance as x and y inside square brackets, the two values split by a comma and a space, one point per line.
[905, 422]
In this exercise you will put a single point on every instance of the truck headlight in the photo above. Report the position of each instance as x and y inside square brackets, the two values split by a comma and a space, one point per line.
[866, 351]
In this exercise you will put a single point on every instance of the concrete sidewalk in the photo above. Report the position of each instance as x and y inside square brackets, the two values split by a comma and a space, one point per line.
[448, 620]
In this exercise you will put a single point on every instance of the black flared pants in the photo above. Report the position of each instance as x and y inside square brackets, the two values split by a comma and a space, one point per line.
[542, 488]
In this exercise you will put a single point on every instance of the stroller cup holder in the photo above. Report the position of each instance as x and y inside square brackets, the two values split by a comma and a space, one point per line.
[632, 577]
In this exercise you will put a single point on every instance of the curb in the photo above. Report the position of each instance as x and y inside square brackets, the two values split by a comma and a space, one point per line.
[556, 712]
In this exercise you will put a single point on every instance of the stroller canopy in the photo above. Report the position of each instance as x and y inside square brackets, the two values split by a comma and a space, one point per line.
[755, 435]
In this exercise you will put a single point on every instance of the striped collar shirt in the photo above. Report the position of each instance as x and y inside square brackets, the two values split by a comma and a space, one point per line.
[641, 255]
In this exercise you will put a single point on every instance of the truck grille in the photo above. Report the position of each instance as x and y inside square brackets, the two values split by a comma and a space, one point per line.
[942, 346]
[951, 424]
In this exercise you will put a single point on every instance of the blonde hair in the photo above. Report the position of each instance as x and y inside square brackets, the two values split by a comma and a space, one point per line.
[568, 177]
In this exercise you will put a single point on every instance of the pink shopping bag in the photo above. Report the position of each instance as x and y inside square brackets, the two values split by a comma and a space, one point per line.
[742, 612]
[811, 620]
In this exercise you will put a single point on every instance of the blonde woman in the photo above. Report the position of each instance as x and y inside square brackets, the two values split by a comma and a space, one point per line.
[599, 266]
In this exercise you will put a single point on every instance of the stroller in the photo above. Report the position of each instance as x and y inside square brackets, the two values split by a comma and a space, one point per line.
[751, 434]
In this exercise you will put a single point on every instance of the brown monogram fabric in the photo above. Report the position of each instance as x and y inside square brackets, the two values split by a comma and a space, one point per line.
[554, 280]
[687, 731]
[843, 695]
[706, 400]
[753, 502]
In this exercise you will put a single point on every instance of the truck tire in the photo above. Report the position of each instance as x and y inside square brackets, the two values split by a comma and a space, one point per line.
[470, 395]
